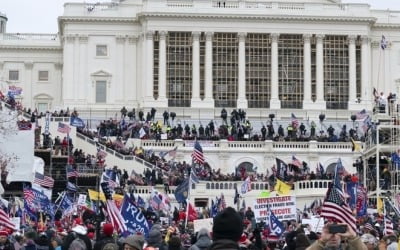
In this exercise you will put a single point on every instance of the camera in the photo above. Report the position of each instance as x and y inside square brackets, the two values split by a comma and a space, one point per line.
[333, 229]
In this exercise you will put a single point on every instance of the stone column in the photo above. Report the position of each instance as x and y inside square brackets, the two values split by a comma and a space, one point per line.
[320, 72]
[208, 99]
[148, 80]
[28, 85]
[275, 103]
[307, 102]
[131, 78]
[352, 73]
[76, 69]
[195, 102]
[162, 71]
[68, 74]
[366, 97]
[83, 73]
[242, 102]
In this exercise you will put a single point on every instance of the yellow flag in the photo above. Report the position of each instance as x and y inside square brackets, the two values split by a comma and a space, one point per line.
[379, 205]
[282, 188]
[355, 147]
[95, 196]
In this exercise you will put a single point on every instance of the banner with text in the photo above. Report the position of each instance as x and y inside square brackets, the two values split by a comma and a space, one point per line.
[284, 208]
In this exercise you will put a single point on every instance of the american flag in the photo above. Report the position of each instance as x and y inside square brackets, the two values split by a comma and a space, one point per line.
[43, 180]
[296, 162]
[295, 122]
[5, 220]
[101, 153]
[71, 172]
[222, 202]
[388, 226]
[335, 208]
[63, 128]
[369, 226]
[197, 154]
[29, 196]
[113, 212]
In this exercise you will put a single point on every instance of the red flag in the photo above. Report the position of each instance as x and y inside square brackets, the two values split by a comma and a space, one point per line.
[192, 213]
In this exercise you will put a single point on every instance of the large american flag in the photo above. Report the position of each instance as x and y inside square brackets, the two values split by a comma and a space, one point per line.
[5, 220]
[113, 212]
[43, 180]
[197, 154]
[63, 128]
[296, 162]
[336, 209]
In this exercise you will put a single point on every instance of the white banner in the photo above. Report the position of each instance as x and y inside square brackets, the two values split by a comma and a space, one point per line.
[18, 146]
[203, 144]
[204, 223]
[283, 207]
[17, 222]
[316, 224]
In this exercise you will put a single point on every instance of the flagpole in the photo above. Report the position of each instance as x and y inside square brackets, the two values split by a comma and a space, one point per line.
[188, 200]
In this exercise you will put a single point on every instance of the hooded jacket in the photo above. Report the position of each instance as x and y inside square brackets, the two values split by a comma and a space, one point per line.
[203, 240]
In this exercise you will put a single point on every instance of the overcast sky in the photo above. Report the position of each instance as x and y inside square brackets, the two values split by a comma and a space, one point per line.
[40, 16]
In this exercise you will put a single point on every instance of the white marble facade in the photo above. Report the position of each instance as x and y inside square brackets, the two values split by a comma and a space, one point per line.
[116, 54]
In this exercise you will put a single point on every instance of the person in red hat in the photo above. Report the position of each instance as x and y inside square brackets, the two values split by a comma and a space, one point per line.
[106, 238]
[4, 241]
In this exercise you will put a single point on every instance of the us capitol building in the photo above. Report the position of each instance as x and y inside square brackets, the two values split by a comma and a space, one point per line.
[196, 57]
[205, 54]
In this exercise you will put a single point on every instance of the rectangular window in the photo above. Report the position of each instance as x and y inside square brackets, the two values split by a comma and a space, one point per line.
[101, 50]
[101, 91]
[43, 76]
[13, 75]
[42, 107]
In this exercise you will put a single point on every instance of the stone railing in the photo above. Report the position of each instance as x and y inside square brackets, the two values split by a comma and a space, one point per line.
[29, 36]
[110, 151]
[311, 184]
[312, 146]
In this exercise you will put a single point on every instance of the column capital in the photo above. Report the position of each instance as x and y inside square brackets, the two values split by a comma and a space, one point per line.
[196, 35]
[275, 37]
[28, 64]
[69, 38]
[320, 38]
[351, 39]
[83, 39]
[120, 39]
[149, 35]
[58, 65]
[209, 35]
[242, 36]
[307, 38]
[365, 39]
[162, 34]
[132, 39]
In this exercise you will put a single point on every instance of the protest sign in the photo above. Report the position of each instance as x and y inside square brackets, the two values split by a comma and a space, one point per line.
[284, 207]
[204, 223]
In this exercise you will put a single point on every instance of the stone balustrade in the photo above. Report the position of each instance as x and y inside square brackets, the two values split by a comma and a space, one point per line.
[29, 36]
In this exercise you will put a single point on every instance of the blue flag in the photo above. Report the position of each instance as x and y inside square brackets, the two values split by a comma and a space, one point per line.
[77, 122]
[181, 192]
[352, 192]
[35, 201]
[275, 226]
[214, 209]
[66, 203]
[134, 218]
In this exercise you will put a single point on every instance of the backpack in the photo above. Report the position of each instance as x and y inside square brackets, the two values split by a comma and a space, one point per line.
[77, 244]
[110, 246]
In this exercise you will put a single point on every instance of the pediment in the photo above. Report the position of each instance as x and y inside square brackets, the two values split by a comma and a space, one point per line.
[101, 73]
[42, 96]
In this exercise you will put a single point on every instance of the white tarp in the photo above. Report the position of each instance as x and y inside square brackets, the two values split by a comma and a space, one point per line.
[38, 165]
[18, 145]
